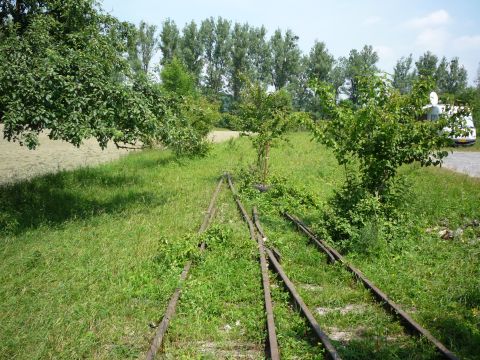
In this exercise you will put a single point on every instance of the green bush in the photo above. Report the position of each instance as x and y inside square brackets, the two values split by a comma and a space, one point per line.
[372, 139]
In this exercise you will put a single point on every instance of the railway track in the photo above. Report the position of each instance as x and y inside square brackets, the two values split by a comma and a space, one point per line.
[267, 255]
[330, 350]
[406, 320]
[271, 348]
[172, 304]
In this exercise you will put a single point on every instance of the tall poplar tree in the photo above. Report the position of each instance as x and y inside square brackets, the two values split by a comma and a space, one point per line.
[169, 41]
[285, 58]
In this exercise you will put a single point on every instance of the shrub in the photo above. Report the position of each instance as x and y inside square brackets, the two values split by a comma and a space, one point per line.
[372, 139]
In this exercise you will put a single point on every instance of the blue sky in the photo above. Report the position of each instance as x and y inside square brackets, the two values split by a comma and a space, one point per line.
[393, 28]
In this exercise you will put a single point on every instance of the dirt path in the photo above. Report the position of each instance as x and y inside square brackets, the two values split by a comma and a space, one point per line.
[18, 163]
[223, 135]
[464, 162]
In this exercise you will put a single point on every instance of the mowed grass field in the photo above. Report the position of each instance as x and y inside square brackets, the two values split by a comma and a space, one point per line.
[90, 258]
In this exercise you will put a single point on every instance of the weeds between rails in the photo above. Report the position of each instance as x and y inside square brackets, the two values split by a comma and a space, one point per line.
[172, 304]
[272, 336]
[333, 255]
[331, 352]
[272, 347]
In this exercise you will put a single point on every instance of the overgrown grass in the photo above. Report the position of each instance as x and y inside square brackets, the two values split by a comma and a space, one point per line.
[437, 281]
[79, 273]
[91, 257]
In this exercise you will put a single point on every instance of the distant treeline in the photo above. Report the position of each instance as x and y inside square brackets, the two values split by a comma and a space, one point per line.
[222, 56]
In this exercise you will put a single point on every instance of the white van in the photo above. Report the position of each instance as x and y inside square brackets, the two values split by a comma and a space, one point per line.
[472, 132]
[434, 110]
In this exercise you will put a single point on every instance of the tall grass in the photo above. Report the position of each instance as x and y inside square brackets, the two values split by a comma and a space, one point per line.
[90, 258]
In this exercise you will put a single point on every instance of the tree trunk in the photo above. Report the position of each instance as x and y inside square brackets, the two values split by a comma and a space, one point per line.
[265, 162]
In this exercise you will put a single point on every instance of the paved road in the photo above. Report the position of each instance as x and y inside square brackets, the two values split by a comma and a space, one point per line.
[17, 162]
[464, 162]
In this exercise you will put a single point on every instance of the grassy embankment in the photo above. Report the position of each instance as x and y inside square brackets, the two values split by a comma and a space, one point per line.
[90, 258]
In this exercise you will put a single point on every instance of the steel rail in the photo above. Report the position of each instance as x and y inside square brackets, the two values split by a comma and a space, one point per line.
[330, 257]
[406, 319]
[272, 336]
[324, 339]
[331, 352]
[172, 304]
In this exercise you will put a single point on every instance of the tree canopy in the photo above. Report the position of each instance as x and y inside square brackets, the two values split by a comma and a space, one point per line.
[63, 70]
[76, 72]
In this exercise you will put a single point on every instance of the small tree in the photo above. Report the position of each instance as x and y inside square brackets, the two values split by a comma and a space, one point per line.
[377, 136]
[187, 116]
[176, 79]
[403, 74]
[384, 131]
[269, 116]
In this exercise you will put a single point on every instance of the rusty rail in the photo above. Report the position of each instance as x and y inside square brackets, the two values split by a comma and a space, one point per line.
[172, 304]
[330, 350]
[330, 257]
[272, 336]
[378, 294]
[324, 339]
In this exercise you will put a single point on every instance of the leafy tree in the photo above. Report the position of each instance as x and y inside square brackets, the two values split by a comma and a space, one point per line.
[141, 45]
[442, 75]
[426, 65]
[451, 77]
[358, 64]
[186, 116]
[339, 71]
[169, 41]
[132, 43]
[239, 67]
[147, 44]
[383, 132]
[285, 58]
[269, 116]
[403, 75]
[207, 37]
[317, 65]
[362, 63]
[191, 49]
[298, 87]
[216, 40]
[372, 141]
[319, 62]
[62, 70]
[176, 79]
[259, 55]
[186, 120]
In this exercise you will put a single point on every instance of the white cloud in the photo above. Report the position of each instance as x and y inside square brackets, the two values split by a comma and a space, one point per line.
[434, 39]
[436, 18]
[372, 20]
[467, 42]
